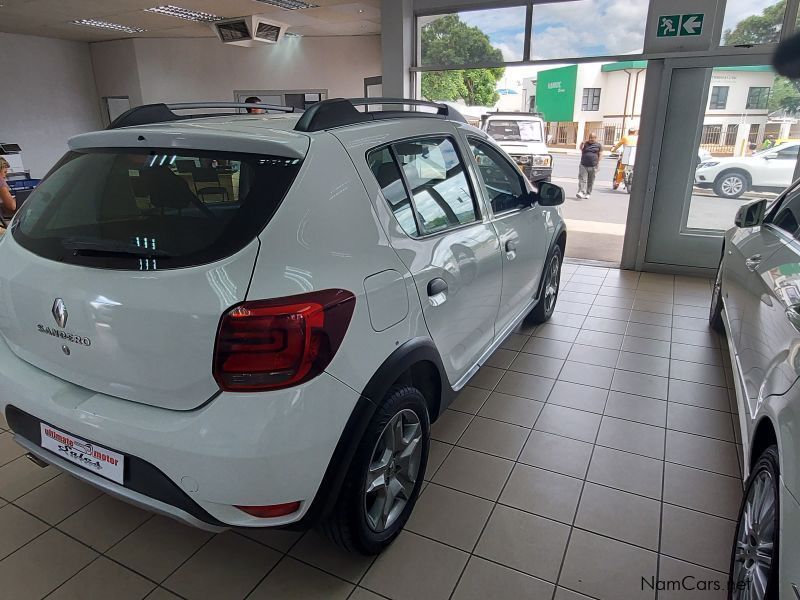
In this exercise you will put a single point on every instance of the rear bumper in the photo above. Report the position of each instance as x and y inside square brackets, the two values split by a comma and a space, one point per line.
[238, 449]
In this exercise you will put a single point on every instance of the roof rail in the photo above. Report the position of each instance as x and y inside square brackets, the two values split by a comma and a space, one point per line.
[148, 114]
[339, 112]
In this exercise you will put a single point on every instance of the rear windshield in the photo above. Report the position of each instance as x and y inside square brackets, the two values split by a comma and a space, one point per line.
[515, 131]
[147, 210]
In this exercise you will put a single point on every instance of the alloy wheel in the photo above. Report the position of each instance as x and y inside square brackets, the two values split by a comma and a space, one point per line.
[393, 470]
[732, 185]
[551, 284]
[755, 540]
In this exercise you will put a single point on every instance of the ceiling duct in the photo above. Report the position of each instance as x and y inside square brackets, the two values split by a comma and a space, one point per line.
[249, 31]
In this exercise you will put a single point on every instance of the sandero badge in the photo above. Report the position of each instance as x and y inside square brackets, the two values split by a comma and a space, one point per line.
[60, 315]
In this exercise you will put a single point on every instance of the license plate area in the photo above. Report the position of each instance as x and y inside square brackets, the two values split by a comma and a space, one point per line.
[88, 455]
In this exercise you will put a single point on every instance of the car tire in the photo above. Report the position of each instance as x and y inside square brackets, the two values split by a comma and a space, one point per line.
[731, 184]
[385, 475]
[762, 497]
[550, 287]
[715, 312]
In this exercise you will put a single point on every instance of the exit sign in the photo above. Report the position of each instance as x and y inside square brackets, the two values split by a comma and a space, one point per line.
[680, 25]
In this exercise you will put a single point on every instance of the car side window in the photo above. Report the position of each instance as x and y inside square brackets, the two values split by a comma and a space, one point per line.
[383, 166]
[438, 183]
[790, 153]
[787, 217]
[501, 180]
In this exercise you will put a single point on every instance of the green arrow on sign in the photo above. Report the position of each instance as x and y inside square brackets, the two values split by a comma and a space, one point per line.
[668, 25]
[691, 24]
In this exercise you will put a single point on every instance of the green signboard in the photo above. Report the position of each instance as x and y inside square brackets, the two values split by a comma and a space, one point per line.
[680, 25]
[555, 93]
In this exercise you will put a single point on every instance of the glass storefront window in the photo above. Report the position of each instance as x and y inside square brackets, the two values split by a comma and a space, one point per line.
[588, 28]
[752, 22]
[749, 151]
[473, 37]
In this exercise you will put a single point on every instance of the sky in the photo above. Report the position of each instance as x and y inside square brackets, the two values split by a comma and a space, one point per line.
[582, 27]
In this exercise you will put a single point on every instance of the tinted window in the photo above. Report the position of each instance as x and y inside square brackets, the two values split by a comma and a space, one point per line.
[501, 180]
[788, 216]
[790, 152]
[439, 187]
[388, 175]
[118, 208]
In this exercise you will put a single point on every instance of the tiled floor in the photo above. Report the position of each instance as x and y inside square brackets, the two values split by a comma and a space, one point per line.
[588, 454]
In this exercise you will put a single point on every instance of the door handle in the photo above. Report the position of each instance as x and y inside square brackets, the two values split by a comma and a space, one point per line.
[752, 262]
[793, 316]
[511, 249]
[437, 291]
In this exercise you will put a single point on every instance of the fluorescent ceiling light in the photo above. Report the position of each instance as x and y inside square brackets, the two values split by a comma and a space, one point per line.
[292, 34]
[184, 13]
[289, 4]
[107, 25]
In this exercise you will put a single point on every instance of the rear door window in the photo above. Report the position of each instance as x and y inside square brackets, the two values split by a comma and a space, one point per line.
[432, 170]
[116, 208]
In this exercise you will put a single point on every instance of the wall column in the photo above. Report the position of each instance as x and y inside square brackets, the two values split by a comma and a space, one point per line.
[397, 46]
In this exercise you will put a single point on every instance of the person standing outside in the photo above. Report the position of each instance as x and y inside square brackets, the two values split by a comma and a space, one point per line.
[627, 141]
[590, 159]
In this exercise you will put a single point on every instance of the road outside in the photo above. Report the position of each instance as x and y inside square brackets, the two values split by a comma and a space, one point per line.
[597, 225]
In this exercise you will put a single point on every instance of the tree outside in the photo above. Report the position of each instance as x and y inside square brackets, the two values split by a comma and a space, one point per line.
[763, 29]
[450, 41]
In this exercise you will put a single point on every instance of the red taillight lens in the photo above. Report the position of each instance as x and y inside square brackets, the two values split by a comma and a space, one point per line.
[271, 511]
[273, 344]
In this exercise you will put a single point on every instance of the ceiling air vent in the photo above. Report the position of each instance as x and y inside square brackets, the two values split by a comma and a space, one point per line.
[249, 31]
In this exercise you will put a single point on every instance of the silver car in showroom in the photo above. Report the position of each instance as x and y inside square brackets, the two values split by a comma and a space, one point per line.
[756, 302]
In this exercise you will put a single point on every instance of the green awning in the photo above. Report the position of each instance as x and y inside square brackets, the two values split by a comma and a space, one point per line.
[625, 64]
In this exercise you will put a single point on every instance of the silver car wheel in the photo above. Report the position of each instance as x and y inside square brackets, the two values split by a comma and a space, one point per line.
[393, 470]
[755, 540]
[551, 284]
[732, 185]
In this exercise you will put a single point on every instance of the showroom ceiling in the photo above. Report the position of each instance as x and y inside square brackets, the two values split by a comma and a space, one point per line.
[54, 18]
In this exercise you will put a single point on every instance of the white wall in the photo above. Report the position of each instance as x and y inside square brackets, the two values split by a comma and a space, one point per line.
[177, 69]
[116, 70]
[47, 95]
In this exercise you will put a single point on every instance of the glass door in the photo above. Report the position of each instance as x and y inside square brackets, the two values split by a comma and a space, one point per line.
[726, 141]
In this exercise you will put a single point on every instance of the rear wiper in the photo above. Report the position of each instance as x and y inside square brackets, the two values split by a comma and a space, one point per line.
[90, 248]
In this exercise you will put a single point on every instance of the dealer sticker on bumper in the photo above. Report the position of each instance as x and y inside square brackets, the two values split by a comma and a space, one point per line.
[104, 462]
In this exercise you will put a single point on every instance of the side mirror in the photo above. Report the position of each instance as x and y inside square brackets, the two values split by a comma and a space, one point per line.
[549, 194]
[770, 157]
[751, 215]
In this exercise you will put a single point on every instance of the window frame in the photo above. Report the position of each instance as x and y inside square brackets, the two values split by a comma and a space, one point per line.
[714, 104]
[769, 220]
[476, 204]
[593, 94]
[750, 90]
[522, 179]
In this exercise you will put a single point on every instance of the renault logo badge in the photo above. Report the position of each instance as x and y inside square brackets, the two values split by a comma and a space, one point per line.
[60, 313]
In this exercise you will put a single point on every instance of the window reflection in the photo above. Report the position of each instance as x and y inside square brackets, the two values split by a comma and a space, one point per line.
[752, 22]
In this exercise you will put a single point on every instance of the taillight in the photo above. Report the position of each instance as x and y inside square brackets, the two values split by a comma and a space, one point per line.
[271, 511]
[272, 344]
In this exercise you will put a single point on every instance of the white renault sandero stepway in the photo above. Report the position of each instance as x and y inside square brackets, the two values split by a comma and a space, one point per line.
[252, 320]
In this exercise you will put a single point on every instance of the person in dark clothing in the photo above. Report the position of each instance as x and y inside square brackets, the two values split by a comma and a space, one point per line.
[590, 159]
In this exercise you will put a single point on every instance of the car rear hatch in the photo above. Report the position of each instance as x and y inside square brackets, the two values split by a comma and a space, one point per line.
[120, 265]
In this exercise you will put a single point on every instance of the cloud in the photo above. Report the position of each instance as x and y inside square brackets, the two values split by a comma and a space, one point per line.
[588, 28]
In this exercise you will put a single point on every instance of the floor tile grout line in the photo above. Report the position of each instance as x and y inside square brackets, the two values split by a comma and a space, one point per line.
[81, 542]
[580, 498]
[495, 503]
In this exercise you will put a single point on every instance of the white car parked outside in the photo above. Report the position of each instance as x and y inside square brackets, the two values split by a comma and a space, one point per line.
[768, 170]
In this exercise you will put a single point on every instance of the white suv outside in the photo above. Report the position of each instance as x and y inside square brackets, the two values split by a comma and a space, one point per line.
[521, 135]
[251, 320]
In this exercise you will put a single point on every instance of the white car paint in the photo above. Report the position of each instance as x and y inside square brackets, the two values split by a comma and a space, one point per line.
[773, 168]
[145, 388]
